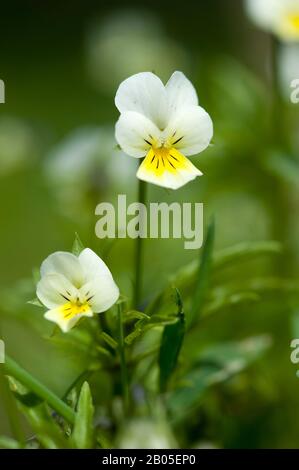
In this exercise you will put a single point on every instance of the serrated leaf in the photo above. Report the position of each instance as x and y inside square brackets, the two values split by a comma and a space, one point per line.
[77, 245]
[203, 275]
[171, 343]
[83, 435]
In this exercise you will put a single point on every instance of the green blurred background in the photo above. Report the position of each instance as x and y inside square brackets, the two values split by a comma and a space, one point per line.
[61, 64]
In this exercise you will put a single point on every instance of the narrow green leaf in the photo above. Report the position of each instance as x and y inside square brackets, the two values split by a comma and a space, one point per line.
[134, 335]
[134, 314]
[45, 427]
[109, 340]
[82, 436]
[245, 251]
[172, 340]
[77, 245]
[239, 253]
[36, 302]
[203, 275]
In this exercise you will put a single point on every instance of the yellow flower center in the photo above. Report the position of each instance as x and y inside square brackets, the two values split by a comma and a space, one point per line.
[293, 20]
[161, 159]
[71, 309]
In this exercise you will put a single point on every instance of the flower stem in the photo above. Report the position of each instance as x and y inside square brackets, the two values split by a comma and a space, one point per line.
[139, 250]
[122, 356]
[16, 371]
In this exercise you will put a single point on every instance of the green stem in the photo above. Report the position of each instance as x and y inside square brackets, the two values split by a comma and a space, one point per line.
[139, 250]
[121, 350]
[16, 371]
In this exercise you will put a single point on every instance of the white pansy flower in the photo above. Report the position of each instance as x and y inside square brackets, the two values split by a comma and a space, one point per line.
[73, 287]
[164, 124]
[280, 17]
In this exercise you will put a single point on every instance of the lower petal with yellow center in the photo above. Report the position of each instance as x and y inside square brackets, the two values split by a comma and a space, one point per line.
[167, 167]
[68, 314]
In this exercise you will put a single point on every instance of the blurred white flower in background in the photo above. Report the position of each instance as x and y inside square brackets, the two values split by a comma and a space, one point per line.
[73, 287]
[18, 145]
[128, 42]
[87, 161]
[280, 17]
[145, 433]
[288, 67]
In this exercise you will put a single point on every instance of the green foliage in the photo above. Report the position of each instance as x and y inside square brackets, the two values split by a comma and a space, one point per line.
[171, 343]
[8, 443]
[83, 432]
[77, 245]
[203, 274]
[215, 365]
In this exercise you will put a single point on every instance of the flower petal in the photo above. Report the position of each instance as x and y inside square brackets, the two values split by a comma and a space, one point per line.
[101, 292]
[264, 13]
[134, 133]
[143, 93]
[63, 263]
[173, 171]
[190, 130]
[54, 290]
[180, 92]
[57, 316]
[92, 265]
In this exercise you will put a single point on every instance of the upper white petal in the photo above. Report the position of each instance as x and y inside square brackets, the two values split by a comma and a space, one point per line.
[102, 291]
[195, 127]
[180, 92]
[92, 265]
[54, 290]
[264, 12]
[131, 132]
[66, 264]
[145, 94]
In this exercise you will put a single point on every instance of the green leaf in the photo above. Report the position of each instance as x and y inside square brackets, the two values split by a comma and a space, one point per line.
[47, 431]
[228, 256]
[77, 245]
[109, 340]
[36, 302]
[82, 436]
[245, 251]
[172, 340]
[134, 314]
[203, 275]
[217, 364]
[138, 330]
[225, 301]
[8, 443]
